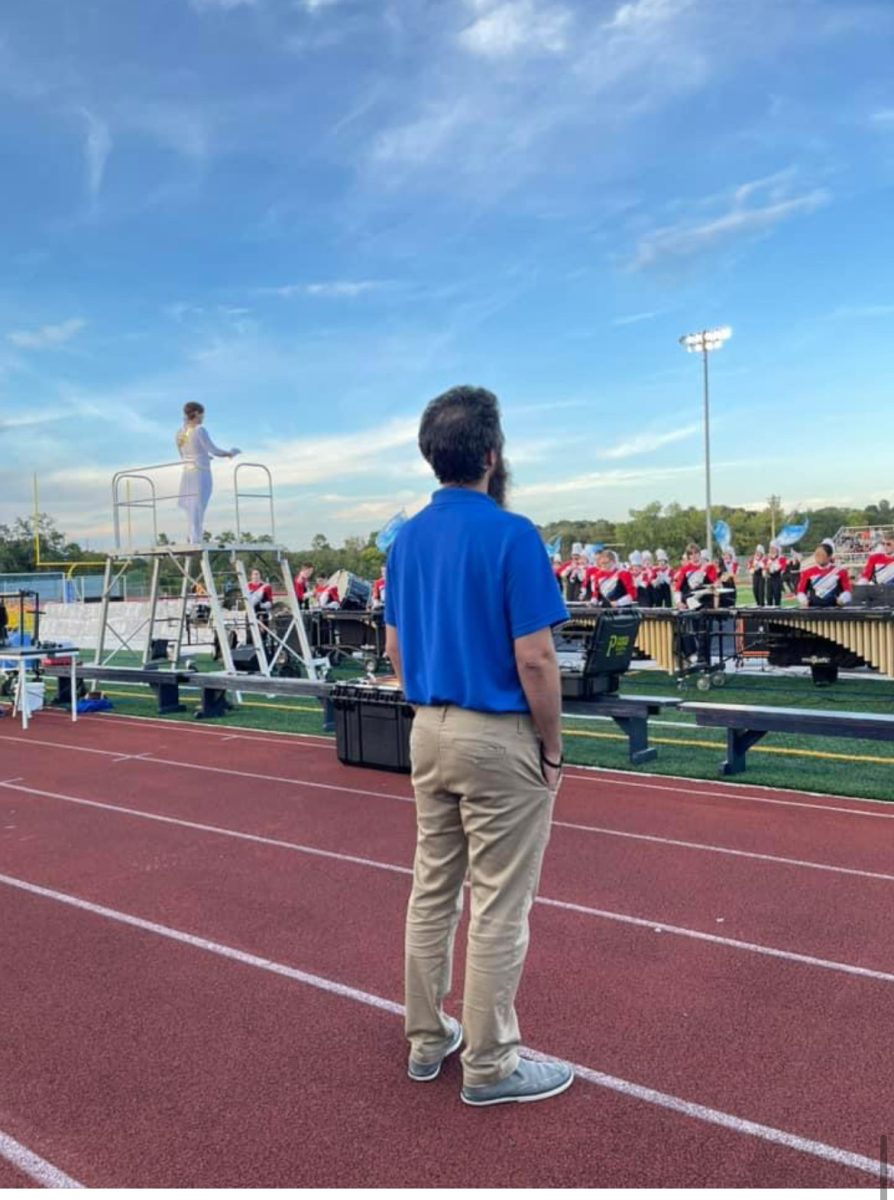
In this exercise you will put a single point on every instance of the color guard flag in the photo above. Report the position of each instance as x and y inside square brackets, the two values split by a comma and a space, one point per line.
[554, 547]
[789, 535]
[722, 534]
[387, 535]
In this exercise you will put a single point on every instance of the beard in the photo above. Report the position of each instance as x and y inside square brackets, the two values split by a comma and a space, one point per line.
[498, 483]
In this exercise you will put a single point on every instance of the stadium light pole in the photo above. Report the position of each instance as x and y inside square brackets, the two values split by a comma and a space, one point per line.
[702, 343]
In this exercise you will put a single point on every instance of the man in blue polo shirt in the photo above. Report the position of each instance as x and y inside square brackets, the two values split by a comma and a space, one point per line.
[470, 604]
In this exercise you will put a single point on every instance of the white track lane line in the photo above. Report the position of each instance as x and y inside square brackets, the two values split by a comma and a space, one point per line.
[37, 1169]
[807, 864]
[653, 787]
[627, 778]
[704, 847]
[566, 905]
[699, 1112]
[244, 733]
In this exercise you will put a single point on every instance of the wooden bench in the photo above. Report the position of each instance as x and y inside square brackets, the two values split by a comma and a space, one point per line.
[746, 724]
[630, 713]
[215, 685]
[165, 683]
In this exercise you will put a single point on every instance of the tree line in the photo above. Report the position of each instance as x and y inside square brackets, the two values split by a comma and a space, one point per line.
[669, 526]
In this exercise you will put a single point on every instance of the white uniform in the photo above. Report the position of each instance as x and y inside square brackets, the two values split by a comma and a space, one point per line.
[196, 449]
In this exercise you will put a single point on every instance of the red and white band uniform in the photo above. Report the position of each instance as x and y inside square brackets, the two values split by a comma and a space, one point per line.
[824, 587]
[301, 587]
[879, 569]
[690, 578]
[378, 592]
[774, 569]
[612, 589]
[326, 596]
[573, 574]
[261, 595]
[662, 583]
[643, 578]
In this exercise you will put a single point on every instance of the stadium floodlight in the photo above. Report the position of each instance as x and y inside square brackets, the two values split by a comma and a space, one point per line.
[701, 343]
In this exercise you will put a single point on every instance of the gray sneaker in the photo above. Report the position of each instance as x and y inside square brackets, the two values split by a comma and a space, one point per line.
[529, 1081]
[425, 1072]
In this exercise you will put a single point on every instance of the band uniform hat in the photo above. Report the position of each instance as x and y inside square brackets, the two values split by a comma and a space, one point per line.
[577, 548]
[828, 544]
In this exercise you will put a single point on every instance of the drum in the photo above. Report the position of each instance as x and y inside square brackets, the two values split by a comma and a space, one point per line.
[353, 593]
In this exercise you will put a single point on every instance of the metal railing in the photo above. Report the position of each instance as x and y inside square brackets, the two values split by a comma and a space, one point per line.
[266, 495]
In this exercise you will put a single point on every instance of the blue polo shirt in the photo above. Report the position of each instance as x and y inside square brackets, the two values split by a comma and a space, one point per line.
[465, 578]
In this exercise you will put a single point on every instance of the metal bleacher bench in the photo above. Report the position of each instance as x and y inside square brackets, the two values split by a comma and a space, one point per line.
[166, 684]
[630, 713]
[214, 686]
[746, 724]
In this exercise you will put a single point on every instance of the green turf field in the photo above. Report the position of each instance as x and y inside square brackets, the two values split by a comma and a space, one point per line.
[837, 765]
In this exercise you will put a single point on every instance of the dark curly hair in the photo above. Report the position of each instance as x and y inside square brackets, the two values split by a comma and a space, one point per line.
[457, 430]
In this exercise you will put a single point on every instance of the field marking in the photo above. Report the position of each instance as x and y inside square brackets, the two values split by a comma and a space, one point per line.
[656, 839]
[37, 1169]
[713, 1116]
[622, 776]
[656, 926]
[771, 858]
[688, 792]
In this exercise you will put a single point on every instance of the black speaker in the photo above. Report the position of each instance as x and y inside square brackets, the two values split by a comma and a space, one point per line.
[245, 658]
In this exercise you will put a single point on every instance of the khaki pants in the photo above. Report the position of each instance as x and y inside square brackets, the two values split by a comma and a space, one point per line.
[481, 806]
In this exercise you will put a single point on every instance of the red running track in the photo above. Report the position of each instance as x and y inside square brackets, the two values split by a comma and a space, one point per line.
[133, 1059]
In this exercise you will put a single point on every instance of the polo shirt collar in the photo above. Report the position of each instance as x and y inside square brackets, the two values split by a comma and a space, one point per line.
[449, 495]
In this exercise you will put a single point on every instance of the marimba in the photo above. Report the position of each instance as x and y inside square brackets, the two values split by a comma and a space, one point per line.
[825, 639]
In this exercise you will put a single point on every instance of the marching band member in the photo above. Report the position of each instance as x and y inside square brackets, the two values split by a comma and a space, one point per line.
[574, 574]
[608, 583]
[824, 585]
[756, 570]
[879, 567]
[726, 573]
[196, 448]
[302, 583]
[645, 596]
[661, 581]
[774, 569]
[324, 595]
[694, 582]
[378, 592]
[260, 594]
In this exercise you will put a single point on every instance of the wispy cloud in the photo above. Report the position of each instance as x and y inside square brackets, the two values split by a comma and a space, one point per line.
[97, 148]
[883, 118]
[336, 289]
[514, 27]
[636, 318]
[863, 311]
[645, 443]
[221, 5]
[312, 460]
[47, 335]
[751, 208]
[643, 16]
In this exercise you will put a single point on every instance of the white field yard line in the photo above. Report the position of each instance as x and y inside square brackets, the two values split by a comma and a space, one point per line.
[779, 1137]
[37, 1169]
[688, 792]
[654, 926]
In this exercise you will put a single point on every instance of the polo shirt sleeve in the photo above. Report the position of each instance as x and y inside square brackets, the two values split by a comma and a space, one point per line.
[391, 589]
[532, 598]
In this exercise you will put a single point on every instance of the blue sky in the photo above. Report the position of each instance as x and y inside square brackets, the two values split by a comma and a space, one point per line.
[314, 215]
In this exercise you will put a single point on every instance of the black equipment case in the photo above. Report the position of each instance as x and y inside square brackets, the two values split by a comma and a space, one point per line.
[372, 726]
[607, 651]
